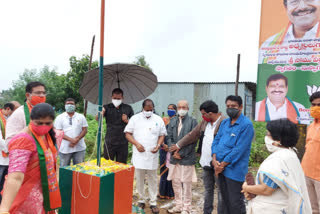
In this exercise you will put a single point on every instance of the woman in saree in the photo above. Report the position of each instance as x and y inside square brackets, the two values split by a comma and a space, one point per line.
[280, 183]
[165, 186]
[32, 185]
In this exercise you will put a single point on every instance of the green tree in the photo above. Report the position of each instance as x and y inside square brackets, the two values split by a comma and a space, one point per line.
[141, 61]
[54, 83]
[78, 67]
[6, 96]
[19, 86]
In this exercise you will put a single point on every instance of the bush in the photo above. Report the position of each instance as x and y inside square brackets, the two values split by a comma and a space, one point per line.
[259, 151]
[91, 137]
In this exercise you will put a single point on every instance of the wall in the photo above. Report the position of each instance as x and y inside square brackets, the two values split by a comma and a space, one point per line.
[195, 94]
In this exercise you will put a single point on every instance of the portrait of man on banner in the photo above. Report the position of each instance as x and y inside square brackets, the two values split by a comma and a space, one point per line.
[289, 59]
[303, 26]
[277, 105]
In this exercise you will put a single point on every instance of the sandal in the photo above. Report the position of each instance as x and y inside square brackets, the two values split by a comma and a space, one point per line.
[142, 205]
[154, 209]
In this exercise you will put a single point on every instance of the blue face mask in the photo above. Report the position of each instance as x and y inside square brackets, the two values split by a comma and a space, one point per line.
[171, 112]
[70, 108]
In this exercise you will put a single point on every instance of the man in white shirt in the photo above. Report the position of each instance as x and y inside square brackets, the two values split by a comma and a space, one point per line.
[75, 127]
[146, 132]
[208, 128]
[277, 105]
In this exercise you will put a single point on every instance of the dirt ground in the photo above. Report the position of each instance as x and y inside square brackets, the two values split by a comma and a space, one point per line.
[197, 198]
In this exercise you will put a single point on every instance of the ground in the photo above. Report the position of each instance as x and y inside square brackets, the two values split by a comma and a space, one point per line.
[197, 198]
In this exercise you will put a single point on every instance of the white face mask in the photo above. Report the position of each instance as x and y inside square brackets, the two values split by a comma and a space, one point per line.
[147, 114]
[271, 148]
[182, 112]
[116, 103]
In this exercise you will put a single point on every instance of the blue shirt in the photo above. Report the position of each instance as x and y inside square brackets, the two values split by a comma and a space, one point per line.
[232, 145]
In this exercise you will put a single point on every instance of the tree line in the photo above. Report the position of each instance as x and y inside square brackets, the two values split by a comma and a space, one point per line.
[59, 86]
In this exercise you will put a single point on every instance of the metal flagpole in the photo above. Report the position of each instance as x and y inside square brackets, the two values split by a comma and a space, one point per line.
[100, 80]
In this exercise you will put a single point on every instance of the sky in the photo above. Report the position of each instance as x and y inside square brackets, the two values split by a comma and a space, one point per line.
[182, 40]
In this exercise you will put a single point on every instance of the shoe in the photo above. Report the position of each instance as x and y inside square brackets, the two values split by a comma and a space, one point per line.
[141, 205]
[154, 209]
[174, 210]
[185, 212]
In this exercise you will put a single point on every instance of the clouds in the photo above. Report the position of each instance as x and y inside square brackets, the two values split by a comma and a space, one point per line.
[182, 40]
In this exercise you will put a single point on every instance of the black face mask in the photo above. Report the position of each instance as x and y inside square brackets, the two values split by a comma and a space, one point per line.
[232, 112]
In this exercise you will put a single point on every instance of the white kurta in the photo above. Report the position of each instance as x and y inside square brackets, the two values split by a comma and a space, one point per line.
[146, 132]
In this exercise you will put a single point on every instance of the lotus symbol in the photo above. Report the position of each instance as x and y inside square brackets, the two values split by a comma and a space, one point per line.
[312, 89]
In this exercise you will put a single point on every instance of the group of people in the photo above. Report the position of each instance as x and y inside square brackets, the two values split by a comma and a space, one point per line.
[282, 185]
[29, 150]
[30, 136]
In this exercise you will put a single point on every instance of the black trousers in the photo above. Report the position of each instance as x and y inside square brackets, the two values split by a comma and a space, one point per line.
[232, 198]
[3, 173]
[117, 152]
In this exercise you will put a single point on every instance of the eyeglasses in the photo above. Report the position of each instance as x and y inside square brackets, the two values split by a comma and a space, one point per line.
[70, 121]
[296, 2]
[38, 123]
[39, 93]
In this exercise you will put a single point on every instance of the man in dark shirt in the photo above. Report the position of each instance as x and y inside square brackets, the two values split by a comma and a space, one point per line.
[117, 115]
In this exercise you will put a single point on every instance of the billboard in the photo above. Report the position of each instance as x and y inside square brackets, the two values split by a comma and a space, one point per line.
[289, 59]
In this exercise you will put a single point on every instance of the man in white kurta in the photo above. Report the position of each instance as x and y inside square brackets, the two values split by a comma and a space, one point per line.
[146, 132]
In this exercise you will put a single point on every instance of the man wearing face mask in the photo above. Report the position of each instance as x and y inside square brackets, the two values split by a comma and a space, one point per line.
[146, 132]
[117, 115]
[19, 119]
[75, 127]
[208, 128]
[311, 159]
[230, 155]
[35, 94]
[182, 163]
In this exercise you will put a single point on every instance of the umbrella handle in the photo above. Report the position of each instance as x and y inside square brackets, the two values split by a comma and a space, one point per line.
[118, 80]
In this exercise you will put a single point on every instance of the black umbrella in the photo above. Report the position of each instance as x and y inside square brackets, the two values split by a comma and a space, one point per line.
[136, 82]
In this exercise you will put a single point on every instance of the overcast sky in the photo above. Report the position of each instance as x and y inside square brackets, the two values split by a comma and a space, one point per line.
[182, 40]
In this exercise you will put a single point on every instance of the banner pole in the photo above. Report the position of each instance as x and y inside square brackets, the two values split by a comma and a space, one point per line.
[100, 80]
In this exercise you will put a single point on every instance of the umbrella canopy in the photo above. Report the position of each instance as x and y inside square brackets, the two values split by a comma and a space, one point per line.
[136, 82]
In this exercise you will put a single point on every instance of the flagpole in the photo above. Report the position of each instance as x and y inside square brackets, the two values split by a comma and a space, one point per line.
[100, 80]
